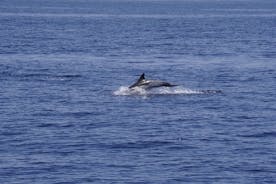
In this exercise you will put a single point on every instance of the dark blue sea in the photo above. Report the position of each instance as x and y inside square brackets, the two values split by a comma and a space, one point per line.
[68, 117]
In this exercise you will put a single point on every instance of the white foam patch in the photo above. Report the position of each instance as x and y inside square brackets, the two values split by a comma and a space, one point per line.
[125, 91]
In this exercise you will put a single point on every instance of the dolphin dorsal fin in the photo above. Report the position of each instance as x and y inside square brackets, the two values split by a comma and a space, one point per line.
[142, 77]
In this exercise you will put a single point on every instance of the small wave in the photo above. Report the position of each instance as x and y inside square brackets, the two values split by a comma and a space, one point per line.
[260, 135]
[152, 16]
[125, 91]
[139, 144]
[45, 76]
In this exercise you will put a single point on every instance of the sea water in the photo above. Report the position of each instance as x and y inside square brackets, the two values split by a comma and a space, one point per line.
[67, 115]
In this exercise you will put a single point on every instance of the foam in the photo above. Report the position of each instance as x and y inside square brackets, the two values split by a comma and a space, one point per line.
[179, 90]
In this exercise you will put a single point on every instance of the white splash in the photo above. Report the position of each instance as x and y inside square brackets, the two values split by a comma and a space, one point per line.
[125, 91]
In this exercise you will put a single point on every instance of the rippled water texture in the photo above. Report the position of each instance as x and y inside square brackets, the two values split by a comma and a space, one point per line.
[68, 116]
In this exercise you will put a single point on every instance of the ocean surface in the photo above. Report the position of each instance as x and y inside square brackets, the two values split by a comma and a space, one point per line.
[67, 115]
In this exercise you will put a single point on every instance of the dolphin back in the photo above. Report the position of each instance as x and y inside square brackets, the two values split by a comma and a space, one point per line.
[156, 84]
[148, 84]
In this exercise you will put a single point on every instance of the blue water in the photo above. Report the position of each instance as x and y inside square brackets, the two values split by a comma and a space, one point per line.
[66, 115]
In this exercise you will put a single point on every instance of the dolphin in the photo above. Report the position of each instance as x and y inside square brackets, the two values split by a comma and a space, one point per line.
[149, 84]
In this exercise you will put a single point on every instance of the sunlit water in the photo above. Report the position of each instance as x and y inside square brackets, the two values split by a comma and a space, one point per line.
[68, 116]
